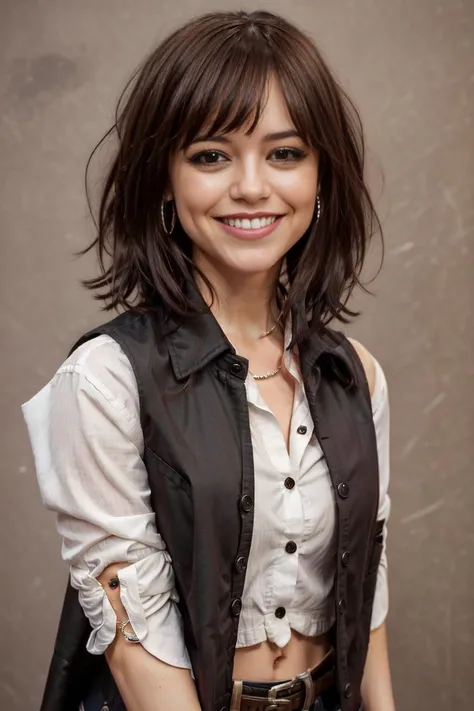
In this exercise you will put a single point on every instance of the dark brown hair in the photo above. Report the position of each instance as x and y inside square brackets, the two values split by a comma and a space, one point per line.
[213, 73]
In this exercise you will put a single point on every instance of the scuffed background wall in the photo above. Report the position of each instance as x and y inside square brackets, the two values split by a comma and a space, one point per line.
[410, 68]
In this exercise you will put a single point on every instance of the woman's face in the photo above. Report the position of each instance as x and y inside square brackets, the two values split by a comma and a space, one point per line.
[244, 201]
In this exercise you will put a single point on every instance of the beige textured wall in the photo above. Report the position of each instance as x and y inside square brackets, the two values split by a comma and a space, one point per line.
[410, 66]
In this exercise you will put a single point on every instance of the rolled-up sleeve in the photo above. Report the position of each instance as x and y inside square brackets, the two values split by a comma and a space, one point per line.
[85, 432]
[381, 416]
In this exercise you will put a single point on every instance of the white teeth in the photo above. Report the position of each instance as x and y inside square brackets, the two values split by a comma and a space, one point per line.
[255, 224]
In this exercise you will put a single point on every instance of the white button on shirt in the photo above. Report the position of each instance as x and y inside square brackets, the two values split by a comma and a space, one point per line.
[84, 427]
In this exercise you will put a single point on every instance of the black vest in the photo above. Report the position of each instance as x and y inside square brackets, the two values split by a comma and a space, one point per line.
[198, 455]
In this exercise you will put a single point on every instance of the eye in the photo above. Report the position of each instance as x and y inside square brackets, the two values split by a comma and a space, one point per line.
[207, 158]
[286, 155]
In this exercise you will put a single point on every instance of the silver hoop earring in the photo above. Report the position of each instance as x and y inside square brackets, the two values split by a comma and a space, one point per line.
[318, 208]
[173, 217]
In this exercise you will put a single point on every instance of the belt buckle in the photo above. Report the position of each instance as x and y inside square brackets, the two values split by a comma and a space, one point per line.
[275, 703]
[309, 686]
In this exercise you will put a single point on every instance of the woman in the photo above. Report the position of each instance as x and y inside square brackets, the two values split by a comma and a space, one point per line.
[217, 456]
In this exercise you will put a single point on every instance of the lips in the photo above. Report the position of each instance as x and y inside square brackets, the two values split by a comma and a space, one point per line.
[247, 228]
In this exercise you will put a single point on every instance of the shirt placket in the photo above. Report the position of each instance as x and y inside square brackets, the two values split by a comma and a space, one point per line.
[284, 572]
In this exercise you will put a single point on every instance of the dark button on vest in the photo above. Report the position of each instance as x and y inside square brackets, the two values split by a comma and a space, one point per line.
[236, 606]
[343, 490]
[246, 503]
[342, 605]
[280, 612]
[345, 558]
[347, 691]
[236, 368]
[289, 482]
[302, 429]
[240, 564]
[291, 547]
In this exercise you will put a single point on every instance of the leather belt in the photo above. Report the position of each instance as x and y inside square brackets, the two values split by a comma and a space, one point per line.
[297, 694]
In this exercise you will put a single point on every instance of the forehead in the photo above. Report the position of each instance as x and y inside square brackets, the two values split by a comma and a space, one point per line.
[274, 117]
[252, 112]
[274, 113]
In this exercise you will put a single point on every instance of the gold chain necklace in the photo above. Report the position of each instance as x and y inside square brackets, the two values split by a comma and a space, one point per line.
[265, 376]
[269, 333]
[271, 373]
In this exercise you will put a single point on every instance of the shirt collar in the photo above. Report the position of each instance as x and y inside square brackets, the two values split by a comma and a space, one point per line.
[196, 340]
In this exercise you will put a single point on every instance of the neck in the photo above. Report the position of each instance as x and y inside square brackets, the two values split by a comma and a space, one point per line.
[244, 306]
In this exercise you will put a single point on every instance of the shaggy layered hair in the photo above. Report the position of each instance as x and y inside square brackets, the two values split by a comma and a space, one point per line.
[212, 75]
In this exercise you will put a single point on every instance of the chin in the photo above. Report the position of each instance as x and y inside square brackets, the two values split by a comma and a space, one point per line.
[255, 261]
[249, 267]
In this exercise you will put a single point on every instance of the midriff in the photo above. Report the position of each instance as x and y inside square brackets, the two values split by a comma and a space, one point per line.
[267, 662]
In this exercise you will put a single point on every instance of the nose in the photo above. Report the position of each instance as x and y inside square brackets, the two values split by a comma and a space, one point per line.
[250, 183]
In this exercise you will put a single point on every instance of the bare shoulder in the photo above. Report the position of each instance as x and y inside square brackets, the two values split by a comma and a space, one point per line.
[367, 361]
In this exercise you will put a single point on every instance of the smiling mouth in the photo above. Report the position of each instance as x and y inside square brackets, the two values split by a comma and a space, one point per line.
[246, 224]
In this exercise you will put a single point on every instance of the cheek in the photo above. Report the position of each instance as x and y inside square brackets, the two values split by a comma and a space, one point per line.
[195, 193]
[300, 189]
[309, 187]
[304, 205]
[194, 197]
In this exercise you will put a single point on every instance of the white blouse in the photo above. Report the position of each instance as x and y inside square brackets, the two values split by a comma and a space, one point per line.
[85, 432]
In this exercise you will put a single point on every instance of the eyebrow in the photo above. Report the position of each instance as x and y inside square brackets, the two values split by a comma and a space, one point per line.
[279, 136]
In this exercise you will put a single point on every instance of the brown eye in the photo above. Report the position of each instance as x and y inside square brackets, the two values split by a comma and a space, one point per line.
[207, 158]
[114, 583]
[286, 155]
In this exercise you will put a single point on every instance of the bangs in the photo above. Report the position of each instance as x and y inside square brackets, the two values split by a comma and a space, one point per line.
[229, 94]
